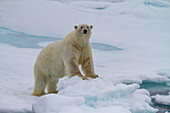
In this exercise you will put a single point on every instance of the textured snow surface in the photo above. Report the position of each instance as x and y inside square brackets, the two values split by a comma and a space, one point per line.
[62, 104]
[95, 96]
[138, 28]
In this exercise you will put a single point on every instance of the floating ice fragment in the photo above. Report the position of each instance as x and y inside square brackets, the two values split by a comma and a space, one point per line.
[162, 99]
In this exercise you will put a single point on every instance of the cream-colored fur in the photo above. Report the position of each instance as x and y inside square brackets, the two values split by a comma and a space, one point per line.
[63, 58]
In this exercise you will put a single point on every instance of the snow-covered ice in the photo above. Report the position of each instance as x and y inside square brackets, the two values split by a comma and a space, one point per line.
[62, 104]
[162, 99]
[130, 44]
[95, 96]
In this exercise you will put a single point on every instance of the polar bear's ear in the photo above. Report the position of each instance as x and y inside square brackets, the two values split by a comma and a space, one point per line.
[91, 27]
[75, 27]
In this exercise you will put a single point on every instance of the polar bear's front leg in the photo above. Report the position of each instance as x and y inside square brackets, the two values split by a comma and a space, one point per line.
[88, 68]
[72, 68]
[87, 63]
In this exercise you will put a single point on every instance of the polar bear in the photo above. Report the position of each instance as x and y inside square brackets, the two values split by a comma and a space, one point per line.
[62, 58]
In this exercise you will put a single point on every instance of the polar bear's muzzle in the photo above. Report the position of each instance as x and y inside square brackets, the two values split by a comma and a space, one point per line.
[85, 31]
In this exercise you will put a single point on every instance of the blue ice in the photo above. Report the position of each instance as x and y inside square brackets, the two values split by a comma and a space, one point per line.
[100, 8]
[155, 4]
[23, 40]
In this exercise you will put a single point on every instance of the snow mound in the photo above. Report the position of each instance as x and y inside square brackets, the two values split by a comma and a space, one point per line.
[55, 103]
[95, 96]
[62, 104]
[162, 99]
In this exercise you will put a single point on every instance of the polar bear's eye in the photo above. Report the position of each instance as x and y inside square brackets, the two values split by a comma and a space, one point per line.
[87, 27]
[81, 26]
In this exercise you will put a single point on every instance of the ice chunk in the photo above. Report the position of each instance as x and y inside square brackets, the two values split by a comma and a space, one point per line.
[95, 96]
[55, 103]
[99, 93]
[62, 104]
[158, 79]
[162, 99]
[142, 94]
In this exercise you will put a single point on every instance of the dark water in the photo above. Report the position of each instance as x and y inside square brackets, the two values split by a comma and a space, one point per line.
[157, 88]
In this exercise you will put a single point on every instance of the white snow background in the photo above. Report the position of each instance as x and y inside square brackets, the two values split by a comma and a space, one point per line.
[141, 28]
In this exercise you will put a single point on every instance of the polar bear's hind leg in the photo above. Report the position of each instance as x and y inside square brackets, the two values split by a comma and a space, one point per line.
[51, 86]
[40, 85]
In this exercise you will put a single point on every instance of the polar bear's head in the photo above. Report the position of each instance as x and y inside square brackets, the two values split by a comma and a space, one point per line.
[83, 29]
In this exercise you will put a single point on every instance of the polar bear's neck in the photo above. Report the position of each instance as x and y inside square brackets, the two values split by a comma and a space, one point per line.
[79, 41]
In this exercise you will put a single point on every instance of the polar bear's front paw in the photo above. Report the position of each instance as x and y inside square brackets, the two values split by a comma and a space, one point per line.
[93, 76]
[38, 93]
[85, 77]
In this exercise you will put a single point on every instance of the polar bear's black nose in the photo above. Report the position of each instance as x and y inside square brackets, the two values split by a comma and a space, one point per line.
[85, 31]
